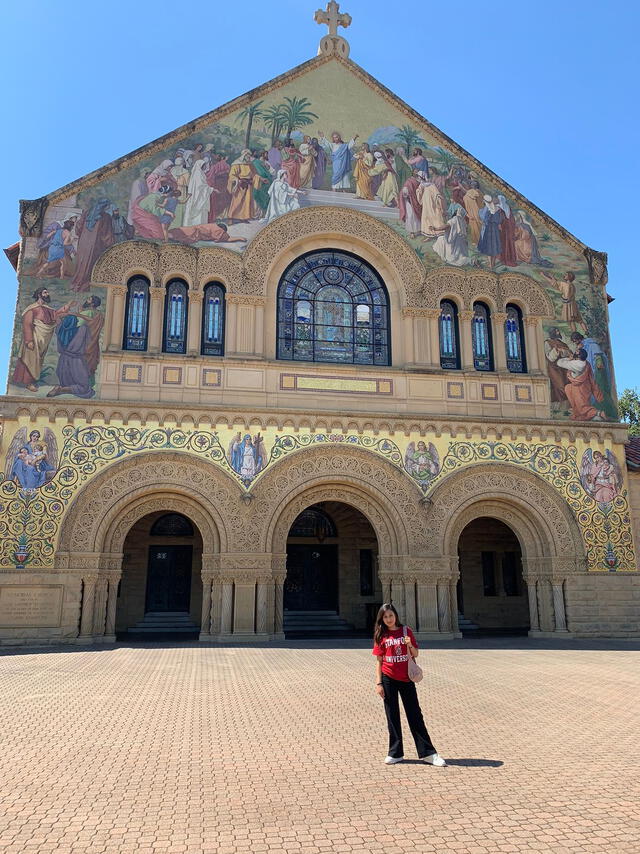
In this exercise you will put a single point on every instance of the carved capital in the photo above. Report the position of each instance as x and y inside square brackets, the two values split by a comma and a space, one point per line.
[157, 292]
[245, 299]
[466, 316]
[499, 317]
[32, 216]
[531, 321]
[597, 262]
[118, 290]
[195, 297]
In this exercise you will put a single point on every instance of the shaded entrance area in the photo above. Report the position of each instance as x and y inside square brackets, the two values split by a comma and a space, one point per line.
[331, 587]
[161, 588]
[492, 594]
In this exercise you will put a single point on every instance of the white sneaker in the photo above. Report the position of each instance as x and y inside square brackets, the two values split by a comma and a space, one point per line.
[393, 760]
[435, 759]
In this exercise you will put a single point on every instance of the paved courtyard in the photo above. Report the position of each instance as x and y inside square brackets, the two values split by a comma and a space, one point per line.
[187, 748]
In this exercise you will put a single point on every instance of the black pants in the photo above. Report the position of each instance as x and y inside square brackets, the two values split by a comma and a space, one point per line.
[407, 690]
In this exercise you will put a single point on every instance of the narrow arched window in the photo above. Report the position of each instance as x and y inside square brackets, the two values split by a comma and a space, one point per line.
[213, 320]
[333, 307]
[136, 325]
[449, 340]
[514, 340]
[175, 317]
[481, 338]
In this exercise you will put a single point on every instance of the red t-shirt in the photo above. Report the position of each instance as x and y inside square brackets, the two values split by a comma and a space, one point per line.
[395, 656]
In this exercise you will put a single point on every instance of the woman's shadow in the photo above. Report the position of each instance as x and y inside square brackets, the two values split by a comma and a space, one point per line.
[465, 763]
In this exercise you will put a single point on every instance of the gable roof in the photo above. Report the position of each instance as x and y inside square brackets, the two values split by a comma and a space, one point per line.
[265, 89]
[632, 453]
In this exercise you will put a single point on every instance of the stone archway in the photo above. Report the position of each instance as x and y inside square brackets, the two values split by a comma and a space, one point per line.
[103, 511]
[548, 534]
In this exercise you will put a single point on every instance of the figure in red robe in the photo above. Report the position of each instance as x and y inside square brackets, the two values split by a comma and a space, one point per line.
[95, 234]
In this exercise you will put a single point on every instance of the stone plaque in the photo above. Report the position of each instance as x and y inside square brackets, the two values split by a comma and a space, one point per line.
[23, 605]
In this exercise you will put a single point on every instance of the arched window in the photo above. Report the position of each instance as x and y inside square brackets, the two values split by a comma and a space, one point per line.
[213, 320]
[481, 337]
[136, 314]
[175, 317]
[333, 307]
[449, 341]
[514, 340]
[313, 522]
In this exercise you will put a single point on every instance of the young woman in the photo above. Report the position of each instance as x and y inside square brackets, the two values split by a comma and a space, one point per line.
[392, 649]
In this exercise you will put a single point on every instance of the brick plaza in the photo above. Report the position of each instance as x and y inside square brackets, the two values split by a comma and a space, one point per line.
[190, 748]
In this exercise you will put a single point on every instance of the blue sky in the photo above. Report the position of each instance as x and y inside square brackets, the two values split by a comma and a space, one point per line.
[544, 93]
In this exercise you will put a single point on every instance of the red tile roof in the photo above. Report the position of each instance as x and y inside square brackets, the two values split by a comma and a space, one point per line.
[13, 253]
[632, 453]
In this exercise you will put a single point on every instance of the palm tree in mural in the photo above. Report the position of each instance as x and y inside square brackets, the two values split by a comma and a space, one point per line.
[296, 114]
[409, 138]
[249, 113]
[274, 120]
[446, 158]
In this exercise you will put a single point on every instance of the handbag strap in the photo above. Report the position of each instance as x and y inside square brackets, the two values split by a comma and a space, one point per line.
[405, 630]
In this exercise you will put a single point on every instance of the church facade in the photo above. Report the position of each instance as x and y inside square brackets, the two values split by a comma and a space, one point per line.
[300, 357]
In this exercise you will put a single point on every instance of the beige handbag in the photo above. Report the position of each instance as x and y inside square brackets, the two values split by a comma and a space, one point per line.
[414, 670]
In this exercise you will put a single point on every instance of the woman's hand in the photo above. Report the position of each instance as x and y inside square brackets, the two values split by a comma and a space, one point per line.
[380, 691]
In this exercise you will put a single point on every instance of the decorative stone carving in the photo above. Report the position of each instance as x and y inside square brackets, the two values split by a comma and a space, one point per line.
[307, 222]
[121, 261]
[597, 262]
[220, 265]
[471, 285]
[176, 260]
[32, 213]
[352, 475]
[536, 513]
[104, 510]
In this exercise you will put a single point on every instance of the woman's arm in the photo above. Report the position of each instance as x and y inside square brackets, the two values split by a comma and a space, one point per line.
[379, 686]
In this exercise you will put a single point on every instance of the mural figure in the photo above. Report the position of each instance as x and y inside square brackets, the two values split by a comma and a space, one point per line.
[247, 457]
[581, 388]
[39, 321]
[78, 335]
[492, 216]
[567, 289]
[32, 462]
[421, 460]
[527, 251]
[56, 250]
[433, 222]
[600, 475]
[340, 153]
[452, 246]
[410, 207]
[283, 198]
[95, 234]
[554, 349]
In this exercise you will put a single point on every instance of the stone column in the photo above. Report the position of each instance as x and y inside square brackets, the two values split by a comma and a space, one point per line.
[434, 336]
[194, 324]
[216, 607]
[230, 325]
[410, 603]
[244, 604]
[226, 610]
[397, 595]
[444, 608]
[531, 340]
[466, 342]
[205, 622]
[258, 337]
[116, 330]
[558, 605]
[428, 606]
[532, 592]
[88, 598]
[453, 604]
[278, 622]
[100, 607]
[499, 345]
[112, 604]
[385, 581]
[156, 312]
[262, 615]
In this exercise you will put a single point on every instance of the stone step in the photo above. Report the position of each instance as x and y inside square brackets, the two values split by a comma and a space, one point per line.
[165, 621]
[347, 200]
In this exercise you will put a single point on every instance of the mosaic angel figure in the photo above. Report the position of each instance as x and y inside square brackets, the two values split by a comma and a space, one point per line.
[32, 461]
[600, 475]
[247, 456]
[421, 460]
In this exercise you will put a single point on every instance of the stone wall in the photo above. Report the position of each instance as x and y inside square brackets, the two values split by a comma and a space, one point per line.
[603, 605]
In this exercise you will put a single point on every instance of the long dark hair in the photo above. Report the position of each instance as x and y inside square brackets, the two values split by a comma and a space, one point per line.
[380, 630]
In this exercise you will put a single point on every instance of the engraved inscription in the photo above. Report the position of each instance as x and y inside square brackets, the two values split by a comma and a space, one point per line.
[24, 605]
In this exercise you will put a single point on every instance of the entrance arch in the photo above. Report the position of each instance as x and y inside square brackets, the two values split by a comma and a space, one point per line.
[161, 585]
[547, 532]
[331, 584]
[491, 593]
[94, 530]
